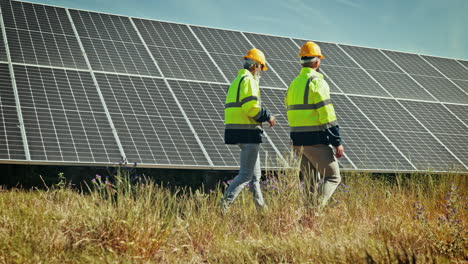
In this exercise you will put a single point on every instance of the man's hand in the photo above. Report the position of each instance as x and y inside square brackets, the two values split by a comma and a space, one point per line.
[339, 151]
[272, 120]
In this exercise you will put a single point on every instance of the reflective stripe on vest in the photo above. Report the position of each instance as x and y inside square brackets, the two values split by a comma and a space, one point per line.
[245, 100]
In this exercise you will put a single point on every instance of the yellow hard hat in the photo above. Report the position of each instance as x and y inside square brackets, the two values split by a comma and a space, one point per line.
[257, 56]
[310, 49]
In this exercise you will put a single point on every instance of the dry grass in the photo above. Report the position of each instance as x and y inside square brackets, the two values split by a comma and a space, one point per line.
[415, 219]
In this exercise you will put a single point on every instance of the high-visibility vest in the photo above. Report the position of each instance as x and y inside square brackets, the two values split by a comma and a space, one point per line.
[308, 103]
[242, 106]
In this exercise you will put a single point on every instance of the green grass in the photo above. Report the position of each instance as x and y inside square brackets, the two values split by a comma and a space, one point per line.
[419, 218]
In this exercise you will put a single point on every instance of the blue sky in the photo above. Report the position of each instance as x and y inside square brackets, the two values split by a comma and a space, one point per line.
[430, 27]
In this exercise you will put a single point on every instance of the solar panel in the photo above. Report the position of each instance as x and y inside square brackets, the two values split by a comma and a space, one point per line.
[104, 27]
[112, 44]
[450, 93]
[186, 64]
[435, 117]
[332, 53]
[461, 111]
[423, 150]
[47, 49]
[33, 17]
[387, 114]
[448, 67]
[412, 63]
[354, 81]
[369, 150]
[40, 35]
[169, 35]
[150, 126]
[63, 118]
[154, 92]
[279, 48]
[231, 64]
[401, 85]
[462, 84]
[223, 41]
[371, 59]
[11, 142]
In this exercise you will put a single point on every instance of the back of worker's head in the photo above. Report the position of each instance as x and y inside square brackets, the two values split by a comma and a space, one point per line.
[310, 55]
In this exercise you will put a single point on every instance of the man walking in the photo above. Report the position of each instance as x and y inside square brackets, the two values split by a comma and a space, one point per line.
[313, 124]
[243, 118]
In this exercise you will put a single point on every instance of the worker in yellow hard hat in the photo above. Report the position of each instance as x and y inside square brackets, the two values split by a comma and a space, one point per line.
[313, 125]
[243, 118]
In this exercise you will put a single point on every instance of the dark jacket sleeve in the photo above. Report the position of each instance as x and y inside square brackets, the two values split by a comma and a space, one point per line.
[333, 134]
[263, 115]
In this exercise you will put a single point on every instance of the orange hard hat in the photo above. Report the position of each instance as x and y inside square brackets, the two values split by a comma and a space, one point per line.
[257, 56]
[310, 49]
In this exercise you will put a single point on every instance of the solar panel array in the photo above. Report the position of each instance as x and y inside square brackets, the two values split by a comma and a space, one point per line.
[80, 87]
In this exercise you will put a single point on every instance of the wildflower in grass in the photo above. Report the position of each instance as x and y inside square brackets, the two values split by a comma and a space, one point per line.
[420, 212]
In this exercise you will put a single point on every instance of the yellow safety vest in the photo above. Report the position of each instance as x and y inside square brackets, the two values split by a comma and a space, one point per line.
[308, 103]
[242, 107]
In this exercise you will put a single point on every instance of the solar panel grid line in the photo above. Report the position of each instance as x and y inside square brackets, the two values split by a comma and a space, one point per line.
[269, 66]
[433, 66]
[403, 70]
[15, 90]
[205, 153]
[104, 105]
[209, 55]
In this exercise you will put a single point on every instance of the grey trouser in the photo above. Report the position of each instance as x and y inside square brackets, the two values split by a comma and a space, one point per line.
[249, 173]
[315, 160]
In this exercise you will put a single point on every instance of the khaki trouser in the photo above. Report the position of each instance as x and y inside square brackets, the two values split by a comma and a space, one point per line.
[319, 160]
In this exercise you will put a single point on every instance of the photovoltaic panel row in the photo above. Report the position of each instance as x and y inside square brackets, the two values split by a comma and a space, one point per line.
[371, 59]
[412, 63]
[274, 47]
[286, 70]
[449, 67]
[45, 39]
[112, 44]
[406, 133]
[450, 93]
[332, 53]
[63, 117]
[231, 64]
[204, 105]
[457, 144]
[400, 85]
[222, 41]
[11, 142]
[354, 81]
[149, 124]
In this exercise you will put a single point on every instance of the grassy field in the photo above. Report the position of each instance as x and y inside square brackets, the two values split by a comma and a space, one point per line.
[404, 219]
